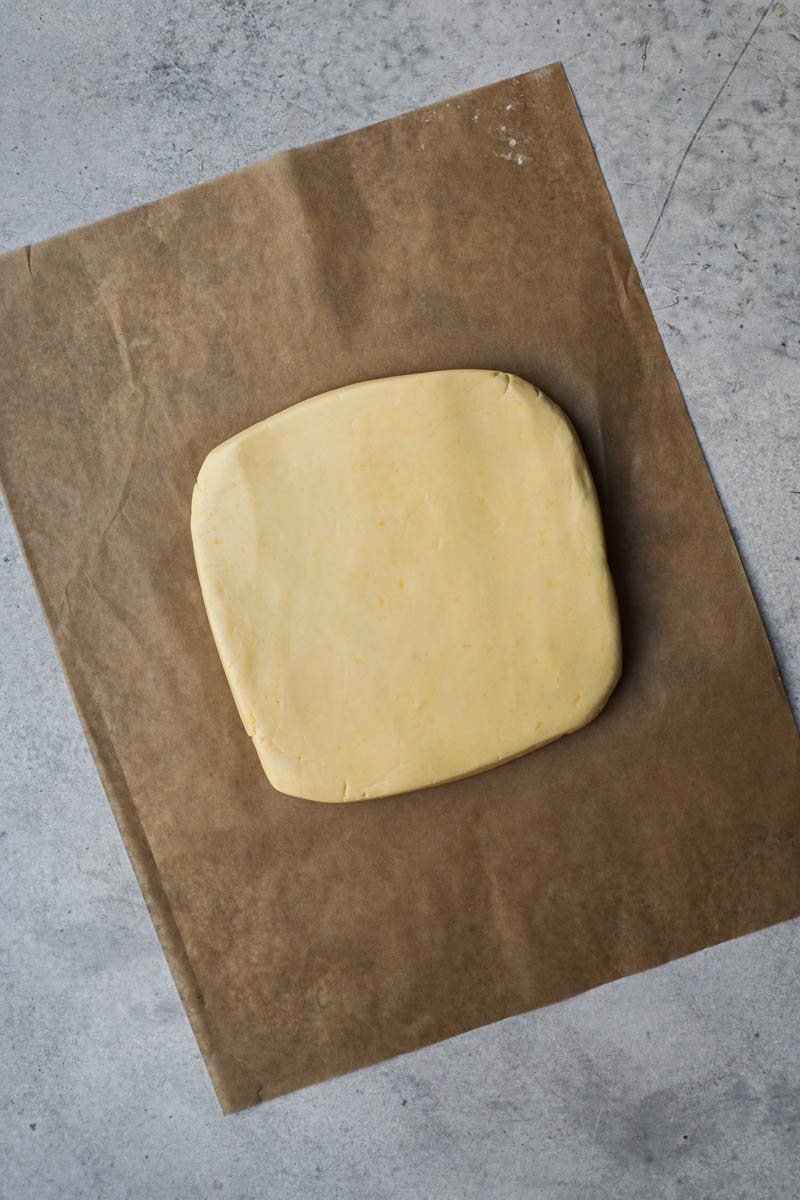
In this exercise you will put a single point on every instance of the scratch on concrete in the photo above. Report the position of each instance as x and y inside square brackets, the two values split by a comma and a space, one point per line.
[696, 134]
[591, 1154]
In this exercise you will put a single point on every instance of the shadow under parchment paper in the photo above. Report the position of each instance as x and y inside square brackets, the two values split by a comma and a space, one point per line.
[307, 940]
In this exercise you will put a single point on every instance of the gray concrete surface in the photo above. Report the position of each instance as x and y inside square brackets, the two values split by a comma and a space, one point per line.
[683, 1082]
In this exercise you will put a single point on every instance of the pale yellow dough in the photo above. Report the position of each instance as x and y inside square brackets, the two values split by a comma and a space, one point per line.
[407, 582]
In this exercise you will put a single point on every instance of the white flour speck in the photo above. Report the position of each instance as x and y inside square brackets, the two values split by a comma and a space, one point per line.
[422, 145]
[508, 108]
[502, 128]
[520, 159]
[512, 141]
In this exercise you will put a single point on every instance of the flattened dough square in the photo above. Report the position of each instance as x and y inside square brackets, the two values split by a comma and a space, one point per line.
[407, 583]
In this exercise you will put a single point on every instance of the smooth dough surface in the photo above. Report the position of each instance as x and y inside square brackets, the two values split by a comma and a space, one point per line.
[407, 582]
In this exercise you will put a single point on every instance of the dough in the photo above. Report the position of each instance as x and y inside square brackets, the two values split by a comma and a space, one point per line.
[407, 583]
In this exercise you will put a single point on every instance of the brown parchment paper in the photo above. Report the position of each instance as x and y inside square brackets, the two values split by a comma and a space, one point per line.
[307, 939]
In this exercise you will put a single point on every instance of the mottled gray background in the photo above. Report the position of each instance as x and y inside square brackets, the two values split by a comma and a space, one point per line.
[683, 1082]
